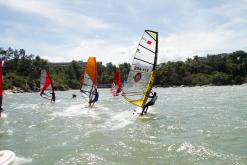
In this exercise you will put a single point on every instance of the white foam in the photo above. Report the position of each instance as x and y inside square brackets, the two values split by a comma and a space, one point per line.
[22, 160]
[170, 148]
[185, 147]
[120, 120]
[75, 111]
[138, 111]
[200, 151]
[31, 126]
[152, 137]
[3, 115]
[82, 158]
[8, 131]
[29, 106]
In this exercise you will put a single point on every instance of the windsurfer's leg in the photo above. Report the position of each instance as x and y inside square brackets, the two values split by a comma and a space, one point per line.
[143, 109]
[1, 110]
[90, 103]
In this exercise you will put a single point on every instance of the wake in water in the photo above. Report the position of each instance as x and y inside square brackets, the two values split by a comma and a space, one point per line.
[138, 110]
[81, 158]
[3, 115]
[77, 111]
[22, 160]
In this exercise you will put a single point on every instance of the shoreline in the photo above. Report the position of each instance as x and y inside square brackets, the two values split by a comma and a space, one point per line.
[19, 90]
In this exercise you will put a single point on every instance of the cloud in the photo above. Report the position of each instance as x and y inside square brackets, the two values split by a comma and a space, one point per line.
[56, 13]
[104, 50]
[110, 30]
[207, 31]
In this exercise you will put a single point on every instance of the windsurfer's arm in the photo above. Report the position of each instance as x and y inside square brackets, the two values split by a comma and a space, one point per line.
[150, 96]
[82, 91]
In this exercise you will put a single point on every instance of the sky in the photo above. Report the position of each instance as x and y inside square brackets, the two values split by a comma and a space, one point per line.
[62, 30]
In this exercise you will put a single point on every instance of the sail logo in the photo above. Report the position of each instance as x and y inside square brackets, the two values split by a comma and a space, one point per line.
[137, 77]
[136, 68]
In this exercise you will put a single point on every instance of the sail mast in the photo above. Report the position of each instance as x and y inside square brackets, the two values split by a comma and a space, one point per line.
[156, 52]
[1, 87]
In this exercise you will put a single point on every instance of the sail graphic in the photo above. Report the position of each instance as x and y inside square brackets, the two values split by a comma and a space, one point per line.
[89, 78]
[46, 85]
[116, 84]
[142, 72]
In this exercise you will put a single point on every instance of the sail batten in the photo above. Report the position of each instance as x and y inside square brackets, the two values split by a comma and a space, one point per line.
[146, 48]
[143, 61]
[142, 72]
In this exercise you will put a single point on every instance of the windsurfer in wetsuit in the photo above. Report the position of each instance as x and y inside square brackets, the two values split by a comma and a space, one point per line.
[53, 97]
[96, 97]
[1, 110]
[113, 85]
[151, 102]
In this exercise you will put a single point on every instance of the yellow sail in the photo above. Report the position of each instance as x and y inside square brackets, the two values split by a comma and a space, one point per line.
[142, 72]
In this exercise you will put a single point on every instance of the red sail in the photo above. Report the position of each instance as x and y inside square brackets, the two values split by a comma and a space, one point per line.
[116, 85]
[45, 82]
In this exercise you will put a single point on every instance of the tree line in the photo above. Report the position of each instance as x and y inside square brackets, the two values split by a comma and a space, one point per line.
[220, 69]
[23, 71]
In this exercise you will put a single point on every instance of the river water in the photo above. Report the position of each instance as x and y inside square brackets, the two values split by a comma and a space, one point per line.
[196, 125]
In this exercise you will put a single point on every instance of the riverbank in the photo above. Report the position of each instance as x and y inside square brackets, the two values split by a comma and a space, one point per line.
[15, 89]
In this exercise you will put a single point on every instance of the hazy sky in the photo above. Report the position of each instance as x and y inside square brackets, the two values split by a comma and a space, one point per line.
[63, 30]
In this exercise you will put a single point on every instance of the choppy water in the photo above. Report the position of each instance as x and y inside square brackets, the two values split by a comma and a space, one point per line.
[199, 125]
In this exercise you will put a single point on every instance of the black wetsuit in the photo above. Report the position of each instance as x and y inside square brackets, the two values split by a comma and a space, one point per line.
[96, 97]
[53, 97]
[1, 110]
[150, 103]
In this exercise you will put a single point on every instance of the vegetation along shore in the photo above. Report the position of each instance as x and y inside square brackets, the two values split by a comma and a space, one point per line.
[22, 72]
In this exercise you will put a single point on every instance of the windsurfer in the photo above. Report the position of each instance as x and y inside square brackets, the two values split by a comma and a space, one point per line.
[1, 110]
[151, 102]
[95, 99]
[113, 86]
[53, 97]
[118, 90]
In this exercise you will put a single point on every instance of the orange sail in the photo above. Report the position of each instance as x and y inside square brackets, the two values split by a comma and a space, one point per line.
[91, 69]
[89, 78]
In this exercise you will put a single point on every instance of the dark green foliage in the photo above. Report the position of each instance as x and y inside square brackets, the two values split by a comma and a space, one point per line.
[22, 70]
[221, 69]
